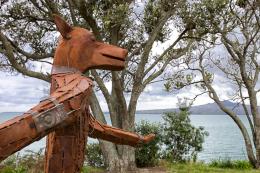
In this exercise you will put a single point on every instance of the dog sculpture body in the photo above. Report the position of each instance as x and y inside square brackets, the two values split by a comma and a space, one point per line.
[64, 116]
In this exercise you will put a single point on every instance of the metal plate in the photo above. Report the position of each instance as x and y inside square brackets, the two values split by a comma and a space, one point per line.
[50, 118]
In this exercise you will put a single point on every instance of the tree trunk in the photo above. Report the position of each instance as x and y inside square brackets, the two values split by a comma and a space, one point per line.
[248, 143]
[256, 116]
[118, 158]
[128, 158]
[257, 138]
[116, 163]
[112, 161]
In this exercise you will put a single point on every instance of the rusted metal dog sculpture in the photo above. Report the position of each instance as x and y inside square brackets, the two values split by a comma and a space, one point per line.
[64, 115]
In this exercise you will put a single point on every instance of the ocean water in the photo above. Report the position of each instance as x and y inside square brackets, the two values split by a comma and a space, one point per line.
[224, 140]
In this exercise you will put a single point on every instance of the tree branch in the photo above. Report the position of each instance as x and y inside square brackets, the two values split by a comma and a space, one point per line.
[87, 15]
[161, 70]
[213, 95]
[22, 69]
[101, 85]
[144, 58]
[28, 55]
[165, 52]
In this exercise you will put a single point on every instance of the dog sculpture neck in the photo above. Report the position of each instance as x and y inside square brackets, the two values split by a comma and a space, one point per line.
[63, 70]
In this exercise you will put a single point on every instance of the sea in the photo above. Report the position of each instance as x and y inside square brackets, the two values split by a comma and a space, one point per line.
[225, 140]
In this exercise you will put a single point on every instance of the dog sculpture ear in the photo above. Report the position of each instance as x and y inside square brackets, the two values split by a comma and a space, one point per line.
[62, 26]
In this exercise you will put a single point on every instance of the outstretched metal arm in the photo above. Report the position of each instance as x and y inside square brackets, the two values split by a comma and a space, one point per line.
[116, 135]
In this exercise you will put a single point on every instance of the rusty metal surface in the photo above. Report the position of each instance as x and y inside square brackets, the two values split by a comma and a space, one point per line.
[65, 117]
[116, 135]
[32, 125]
[66, 145]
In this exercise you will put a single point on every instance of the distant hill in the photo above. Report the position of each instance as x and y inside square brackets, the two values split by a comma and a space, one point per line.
[206, 109]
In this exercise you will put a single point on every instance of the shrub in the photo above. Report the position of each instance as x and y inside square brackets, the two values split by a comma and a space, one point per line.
[148, 154]
[94, 156]
[32, 161]
[88, 169]
[243, 164]
[29, 162]
[183, 141]
[233, 164]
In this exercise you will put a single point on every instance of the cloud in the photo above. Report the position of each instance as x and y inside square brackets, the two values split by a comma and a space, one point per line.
[155, 97]
[18, 93]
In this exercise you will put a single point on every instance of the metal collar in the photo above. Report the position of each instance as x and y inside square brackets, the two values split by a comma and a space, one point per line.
[63, 69]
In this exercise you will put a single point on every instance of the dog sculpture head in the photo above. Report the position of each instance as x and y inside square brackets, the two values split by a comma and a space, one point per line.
[78, 48]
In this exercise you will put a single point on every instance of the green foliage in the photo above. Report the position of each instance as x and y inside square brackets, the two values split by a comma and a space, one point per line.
[33, 161]
[94, 155]
[179, 80]
[241, 3]
[8, 169]
[114, 16]
[30, 162]
[180, 140]
[183, 141]
[148, 154]
[152, 15]
[233, 164]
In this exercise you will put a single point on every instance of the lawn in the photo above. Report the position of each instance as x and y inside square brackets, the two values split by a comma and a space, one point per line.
[184, 168]
[88, 169]
[203, 168]
[165, 167]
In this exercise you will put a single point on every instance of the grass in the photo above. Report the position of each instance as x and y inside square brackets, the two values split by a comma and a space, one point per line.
[217, 167]
[88, 169]
[227, 163]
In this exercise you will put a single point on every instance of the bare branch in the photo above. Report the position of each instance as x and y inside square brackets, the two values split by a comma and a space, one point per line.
[72, 12]
[213, 95]
[22, 69]
[247, 112]
[165, 52]
[149, 44]
[32, 56]
[161, 70]
[101, 85]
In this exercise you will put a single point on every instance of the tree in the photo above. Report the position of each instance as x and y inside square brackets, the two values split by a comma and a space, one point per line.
[183, 141]
[232, 27]
[26, 40]
[149, 154]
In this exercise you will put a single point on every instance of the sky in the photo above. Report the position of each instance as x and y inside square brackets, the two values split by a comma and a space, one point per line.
[19, 93]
